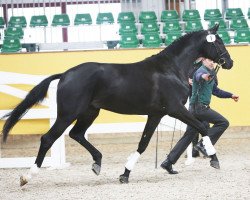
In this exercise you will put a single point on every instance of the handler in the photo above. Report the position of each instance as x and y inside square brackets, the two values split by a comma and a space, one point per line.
[196, 65]
[204, 86]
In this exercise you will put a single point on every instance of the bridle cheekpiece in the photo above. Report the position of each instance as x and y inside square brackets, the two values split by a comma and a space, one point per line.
[211, 38]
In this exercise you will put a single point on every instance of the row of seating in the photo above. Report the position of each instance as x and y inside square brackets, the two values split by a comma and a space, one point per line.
[176, 26]
[149, 27]
[123, 17]
[191, 21]
[148, 40]
[156, 40]
[212, 14]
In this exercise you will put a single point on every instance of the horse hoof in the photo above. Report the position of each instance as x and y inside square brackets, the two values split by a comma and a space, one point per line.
[123, 179]
[96, 169]
[23, 181]
[215, 164]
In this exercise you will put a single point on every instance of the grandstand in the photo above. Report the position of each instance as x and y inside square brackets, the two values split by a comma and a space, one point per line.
[77, 25]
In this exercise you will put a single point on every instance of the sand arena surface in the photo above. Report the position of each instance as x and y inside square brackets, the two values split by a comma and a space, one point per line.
[199, 181]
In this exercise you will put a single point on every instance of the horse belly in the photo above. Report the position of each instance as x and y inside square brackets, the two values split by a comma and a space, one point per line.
[137, 103]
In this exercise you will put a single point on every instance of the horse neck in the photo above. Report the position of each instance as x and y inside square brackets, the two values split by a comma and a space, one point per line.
[186, 59]
[185, 55]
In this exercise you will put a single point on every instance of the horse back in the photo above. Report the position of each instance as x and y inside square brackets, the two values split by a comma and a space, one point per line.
[136, 88]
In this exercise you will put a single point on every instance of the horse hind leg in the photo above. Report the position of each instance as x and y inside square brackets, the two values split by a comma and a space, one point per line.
[47, 141]
[78, 131]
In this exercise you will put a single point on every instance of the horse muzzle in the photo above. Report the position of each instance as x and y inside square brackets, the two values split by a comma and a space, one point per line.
[225, 63]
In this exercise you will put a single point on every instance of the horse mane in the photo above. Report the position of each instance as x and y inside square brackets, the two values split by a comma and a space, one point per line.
[176, 44]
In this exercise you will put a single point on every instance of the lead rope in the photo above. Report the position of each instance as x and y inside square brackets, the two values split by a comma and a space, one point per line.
[173, 136]
[156, 148]
[216, 72]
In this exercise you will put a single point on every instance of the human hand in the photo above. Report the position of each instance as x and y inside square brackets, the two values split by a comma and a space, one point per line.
[235, 97]
[207, 77]
[190, 81]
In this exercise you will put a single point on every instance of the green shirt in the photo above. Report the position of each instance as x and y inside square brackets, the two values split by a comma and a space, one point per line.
[202, 89]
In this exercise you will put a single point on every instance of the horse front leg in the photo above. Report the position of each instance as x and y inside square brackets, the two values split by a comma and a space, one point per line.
[149, 129]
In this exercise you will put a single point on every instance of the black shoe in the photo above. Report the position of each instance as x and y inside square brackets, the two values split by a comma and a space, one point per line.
[195, 153]
[200, 147]
[214, 162]
[167, 165]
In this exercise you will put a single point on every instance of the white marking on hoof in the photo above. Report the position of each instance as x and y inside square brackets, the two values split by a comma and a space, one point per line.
[132, 159]
[24, 179]
[208, 146]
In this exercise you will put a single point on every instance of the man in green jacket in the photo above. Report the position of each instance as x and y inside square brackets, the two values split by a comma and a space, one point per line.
[204, 86]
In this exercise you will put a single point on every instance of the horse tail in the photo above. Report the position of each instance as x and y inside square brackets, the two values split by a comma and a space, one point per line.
[36, 95]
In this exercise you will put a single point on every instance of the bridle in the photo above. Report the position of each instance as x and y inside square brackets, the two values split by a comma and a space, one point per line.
[220, 59]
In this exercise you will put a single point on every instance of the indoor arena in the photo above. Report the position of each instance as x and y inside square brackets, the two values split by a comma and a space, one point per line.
[97, 100]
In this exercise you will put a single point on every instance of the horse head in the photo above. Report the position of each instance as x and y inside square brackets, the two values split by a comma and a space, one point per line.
[215, 50]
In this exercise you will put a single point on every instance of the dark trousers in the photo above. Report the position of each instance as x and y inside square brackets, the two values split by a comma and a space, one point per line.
[206, 115]
[196, 138]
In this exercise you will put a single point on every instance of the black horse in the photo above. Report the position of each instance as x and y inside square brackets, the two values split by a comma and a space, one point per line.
[156, 86]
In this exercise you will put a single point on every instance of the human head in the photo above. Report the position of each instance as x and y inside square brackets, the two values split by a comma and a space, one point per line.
[208, 63]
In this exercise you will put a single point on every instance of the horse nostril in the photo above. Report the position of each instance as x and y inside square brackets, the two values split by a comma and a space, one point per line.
[221, 61]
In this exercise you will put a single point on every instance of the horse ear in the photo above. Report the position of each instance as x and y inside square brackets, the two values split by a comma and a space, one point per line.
[215, 28]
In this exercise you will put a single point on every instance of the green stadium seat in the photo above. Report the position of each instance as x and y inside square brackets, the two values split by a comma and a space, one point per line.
[190, 15]
[171, 26]
[212, 14]
[13, 32]
[232, 13]
[129, 41]
[149, 27]
[169, 15]
[224, 35]
[84, 18]
[103, 18]
[17, 21]
[124, 17]
[222, 23]
[127, 28]
[171, 36]
[152, 40]
[61, 20]
[38, 20]
[147, 16]
[237, 24]
[193, 26]
[11, 45]
[242, 36]
[2, 23]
